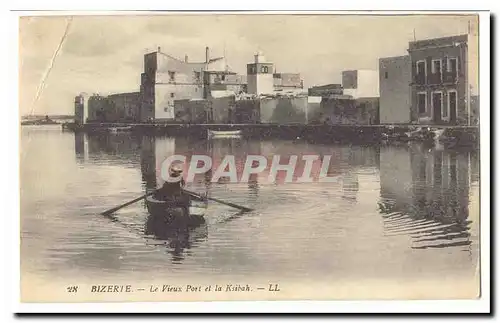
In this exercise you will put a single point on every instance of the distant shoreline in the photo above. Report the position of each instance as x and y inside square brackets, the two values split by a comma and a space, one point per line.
[52, 117]
[42, 122]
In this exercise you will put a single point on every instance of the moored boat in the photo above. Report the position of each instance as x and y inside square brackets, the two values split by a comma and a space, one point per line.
[119, 129]
[232, 133]
[173, 215]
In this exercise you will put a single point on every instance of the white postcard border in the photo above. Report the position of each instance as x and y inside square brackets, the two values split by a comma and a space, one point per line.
[10, 191]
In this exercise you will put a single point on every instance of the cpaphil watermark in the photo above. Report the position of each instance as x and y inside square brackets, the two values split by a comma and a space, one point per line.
[285, 169]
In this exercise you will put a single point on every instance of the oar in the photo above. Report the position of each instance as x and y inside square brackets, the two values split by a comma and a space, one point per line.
[113, 210]
[236, 206]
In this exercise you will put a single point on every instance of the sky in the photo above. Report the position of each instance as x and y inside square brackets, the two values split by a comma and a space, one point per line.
[61, 56]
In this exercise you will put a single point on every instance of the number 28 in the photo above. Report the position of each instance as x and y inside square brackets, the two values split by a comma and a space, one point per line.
[72, 289]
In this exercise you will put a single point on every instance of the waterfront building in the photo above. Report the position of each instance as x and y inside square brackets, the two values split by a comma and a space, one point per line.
[326, 90]
[440, 91]
[126, 105]
[99, 109]
[287, 81]
[260, 75]
[166, 79]
[191, 111]
[343, 109]
[356, 101]
[361, 83]
[262, 78]
[394, 82]
[80, 109]
[198, 111]
[81, 104]
[283, 109]
[120, 107]
[225, 83]
[276, 109]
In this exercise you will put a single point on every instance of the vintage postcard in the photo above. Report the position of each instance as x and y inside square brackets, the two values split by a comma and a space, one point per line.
[249, 156]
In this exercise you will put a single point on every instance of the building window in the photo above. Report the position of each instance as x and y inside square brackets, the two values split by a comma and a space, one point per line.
[172, 95]
[437, 105]
[421, 71]
[386, 75]
[422, 102]
[171, 76]
[452, 66]
[446, 112]
[436, 66]
[197, 76]
[452, 104]
[437, 69]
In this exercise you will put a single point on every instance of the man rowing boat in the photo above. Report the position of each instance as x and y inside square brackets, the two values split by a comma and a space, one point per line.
[172, 192]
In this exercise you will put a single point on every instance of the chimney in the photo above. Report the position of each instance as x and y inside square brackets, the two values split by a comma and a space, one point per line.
[159, 49]
[207, 54]
[186, 59]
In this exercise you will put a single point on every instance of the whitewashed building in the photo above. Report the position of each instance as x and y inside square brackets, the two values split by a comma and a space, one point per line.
[260, 76]
[361, 83]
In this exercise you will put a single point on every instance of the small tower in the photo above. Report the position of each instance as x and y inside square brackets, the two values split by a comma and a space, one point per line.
[81, 108]
[260, 75]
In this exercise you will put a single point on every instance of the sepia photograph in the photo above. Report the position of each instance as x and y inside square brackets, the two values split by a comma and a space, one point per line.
[249, 156]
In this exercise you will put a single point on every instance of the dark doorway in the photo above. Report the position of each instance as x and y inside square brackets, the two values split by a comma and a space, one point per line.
[422, 103]
[437, 105]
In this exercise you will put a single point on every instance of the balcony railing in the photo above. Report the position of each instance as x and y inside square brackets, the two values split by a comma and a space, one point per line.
[435, 78]
[450, 77]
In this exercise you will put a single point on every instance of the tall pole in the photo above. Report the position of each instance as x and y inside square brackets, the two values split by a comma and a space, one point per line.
[467, 81]
[464, 57]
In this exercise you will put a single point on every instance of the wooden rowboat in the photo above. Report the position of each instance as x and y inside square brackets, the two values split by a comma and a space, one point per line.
[177, 216]
[119, 129]
[233, 133]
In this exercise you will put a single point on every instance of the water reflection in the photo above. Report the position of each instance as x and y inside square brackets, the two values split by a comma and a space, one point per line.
[120, 149]
[350, 186]
[148, 163]
[150, 152]
[81, 147]
[146, 153]
[178, 241]
[425, 195]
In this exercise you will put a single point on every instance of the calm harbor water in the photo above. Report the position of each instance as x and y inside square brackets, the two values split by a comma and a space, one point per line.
[403, 211]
